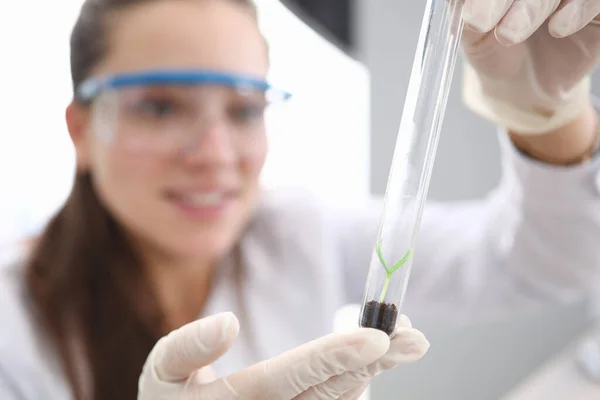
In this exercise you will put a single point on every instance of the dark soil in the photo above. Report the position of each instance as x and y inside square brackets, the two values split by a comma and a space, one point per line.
[381, 316]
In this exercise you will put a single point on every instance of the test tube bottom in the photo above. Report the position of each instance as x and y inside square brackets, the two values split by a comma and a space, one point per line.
[381, 316]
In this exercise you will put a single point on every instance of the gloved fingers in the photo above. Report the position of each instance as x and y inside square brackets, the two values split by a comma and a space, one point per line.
[404, 322]
[573, 16]
[523, 19]
[483, 16]
[193, 346]
[355, 393]
[184, 353]
[294, 372]
[337, 387]
[407, 345]
[203, 376]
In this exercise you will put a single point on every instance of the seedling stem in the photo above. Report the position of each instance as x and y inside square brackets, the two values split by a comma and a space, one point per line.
[389, 271]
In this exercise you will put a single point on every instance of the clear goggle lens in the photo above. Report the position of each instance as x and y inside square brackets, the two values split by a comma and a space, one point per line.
[167, 111]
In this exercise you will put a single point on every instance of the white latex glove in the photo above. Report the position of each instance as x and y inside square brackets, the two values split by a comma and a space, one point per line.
[337, 366]
[531, 60]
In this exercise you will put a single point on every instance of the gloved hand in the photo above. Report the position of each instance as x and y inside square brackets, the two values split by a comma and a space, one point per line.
[337, 366]
[530, 60]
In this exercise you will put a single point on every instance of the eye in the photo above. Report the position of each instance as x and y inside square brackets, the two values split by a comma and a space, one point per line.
[154, 108]
[247, 113]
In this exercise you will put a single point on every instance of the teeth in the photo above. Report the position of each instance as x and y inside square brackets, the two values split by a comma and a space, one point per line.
[204, 199]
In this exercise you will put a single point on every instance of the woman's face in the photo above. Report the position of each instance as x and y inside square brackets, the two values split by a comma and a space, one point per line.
[191, 203]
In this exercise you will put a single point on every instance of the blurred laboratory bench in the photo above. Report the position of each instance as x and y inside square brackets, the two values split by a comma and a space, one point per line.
[573, 374]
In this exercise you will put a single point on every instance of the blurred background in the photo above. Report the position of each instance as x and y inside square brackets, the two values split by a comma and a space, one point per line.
[344, 121]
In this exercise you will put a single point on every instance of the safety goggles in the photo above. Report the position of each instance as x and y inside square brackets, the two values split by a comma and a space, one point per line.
[166, 111]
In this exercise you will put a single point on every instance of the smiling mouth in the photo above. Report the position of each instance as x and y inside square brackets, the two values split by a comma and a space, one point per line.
[202, 203]
[205, 199]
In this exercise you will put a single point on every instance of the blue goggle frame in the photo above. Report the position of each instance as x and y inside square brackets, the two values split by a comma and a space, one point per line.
[92, 87]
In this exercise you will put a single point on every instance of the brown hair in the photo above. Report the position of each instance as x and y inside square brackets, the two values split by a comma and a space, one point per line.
[87, 284]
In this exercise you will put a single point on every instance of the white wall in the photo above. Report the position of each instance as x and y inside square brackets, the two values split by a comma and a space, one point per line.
[320, 139]
[36, 157]
[463, 363]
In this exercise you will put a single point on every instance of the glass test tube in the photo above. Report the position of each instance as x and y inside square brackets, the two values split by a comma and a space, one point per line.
[412, 164]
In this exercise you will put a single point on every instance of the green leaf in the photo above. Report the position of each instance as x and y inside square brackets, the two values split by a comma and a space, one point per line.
[380, 255]
[389, 271]
[401, 262]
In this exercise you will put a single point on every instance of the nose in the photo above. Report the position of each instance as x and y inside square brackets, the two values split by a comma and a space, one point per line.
[210, 144]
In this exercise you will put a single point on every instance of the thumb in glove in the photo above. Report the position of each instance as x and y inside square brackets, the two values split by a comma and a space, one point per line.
[184, 353]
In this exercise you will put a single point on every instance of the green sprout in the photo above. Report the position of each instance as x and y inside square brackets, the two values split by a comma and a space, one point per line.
[389, 271]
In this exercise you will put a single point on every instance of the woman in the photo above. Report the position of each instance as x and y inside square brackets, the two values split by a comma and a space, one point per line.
[166, 221]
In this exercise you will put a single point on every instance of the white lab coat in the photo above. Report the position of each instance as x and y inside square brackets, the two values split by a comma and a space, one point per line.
[534, 240]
